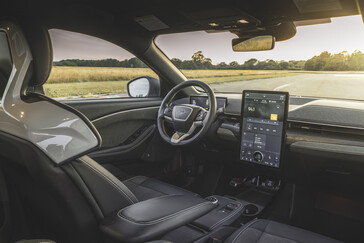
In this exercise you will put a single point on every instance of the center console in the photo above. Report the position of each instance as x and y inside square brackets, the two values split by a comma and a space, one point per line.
[262, 139]
[218, 223]
[226, 212]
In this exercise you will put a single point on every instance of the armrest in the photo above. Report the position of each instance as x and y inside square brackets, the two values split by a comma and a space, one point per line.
[148, 219]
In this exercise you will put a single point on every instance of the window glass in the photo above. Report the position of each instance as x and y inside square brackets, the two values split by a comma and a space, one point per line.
[89, 67]
[321, 60]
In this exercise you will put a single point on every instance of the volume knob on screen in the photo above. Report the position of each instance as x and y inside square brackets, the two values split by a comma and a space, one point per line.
[258, 156]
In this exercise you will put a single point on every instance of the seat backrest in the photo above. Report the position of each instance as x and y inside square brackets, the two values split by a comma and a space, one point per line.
[44, 144]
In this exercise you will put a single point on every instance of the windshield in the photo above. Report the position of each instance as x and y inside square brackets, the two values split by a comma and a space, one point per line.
[325, 60]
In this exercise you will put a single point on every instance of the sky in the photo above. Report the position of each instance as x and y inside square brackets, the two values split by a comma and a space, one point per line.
[342, 34]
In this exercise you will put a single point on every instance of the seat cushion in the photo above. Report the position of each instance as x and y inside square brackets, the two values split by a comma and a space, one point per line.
[145, 188]
[270, 231]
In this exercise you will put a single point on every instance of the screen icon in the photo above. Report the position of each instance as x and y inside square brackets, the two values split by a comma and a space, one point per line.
[274, 117]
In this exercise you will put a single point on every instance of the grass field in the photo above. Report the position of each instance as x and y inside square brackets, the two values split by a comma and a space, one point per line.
[92, 81]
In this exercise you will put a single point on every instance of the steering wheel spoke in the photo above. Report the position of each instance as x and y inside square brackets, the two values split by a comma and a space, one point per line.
[201, 115]
[166, 114]
[169, 118]
[180, 136]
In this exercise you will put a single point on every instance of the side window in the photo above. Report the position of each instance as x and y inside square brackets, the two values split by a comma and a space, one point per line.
[89, 67]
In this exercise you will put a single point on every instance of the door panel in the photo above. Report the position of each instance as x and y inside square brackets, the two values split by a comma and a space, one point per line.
[116, 128]
[127, 127]
[96, 108]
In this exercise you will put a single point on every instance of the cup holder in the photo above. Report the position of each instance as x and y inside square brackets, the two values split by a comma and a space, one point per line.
[250, 210]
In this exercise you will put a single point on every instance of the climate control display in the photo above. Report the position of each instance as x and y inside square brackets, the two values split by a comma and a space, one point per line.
[262, 128]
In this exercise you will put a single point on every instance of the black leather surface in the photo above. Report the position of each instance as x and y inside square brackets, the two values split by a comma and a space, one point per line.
[270, 231]
[156, 209]
[106, 191]
[41, 46]
[47, 193]
[154, 217]
[5, 61]
[146, 188]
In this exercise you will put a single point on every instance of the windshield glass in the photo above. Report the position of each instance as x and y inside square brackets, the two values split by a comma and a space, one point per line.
[324, 60]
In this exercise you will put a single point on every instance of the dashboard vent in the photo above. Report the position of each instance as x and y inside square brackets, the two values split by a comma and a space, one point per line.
[305, 127]
[324, 128]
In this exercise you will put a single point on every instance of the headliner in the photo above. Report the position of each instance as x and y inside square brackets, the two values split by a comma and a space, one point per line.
[115, 20]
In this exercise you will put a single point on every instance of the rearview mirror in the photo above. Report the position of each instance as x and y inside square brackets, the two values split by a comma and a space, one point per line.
[258, 43]
[144, 86]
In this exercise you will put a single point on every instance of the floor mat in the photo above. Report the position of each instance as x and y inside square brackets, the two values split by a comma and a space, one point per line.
[342, 206]
[328, 214]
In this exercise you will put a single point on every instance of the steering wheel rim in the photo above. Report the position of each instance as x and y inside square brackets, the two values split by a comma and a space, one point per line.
[180, 138]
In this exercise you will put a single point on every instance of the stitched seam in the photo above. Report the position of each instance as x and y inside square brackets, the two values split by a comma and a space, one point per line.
[153, 189]
[158, 191]
[97, 204]
[128, 180]
[166, 217]
[226, 218]
[178, 188]
[121, 211]
[278, 236]
[263, 231]
[175, 187]
[116, 185]
[109, 181]
[243, 230]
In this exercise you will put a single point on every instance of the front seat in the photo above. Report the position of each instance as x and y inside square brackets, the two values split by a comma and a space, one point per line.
[57, 190]
[146, 188]
[270, 231]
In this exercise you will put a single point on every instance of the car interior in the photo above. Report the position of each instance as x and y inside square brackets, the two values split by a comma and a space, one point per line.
[182, 163]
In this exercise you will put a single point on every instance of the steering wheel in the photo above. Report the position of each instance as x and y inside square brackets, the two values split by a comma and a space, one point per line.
[186, 118]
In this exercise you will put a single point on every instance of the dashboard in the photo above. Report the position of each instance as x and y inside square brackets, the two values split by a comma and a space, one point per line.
[204, 102]
[329, 127]
[324, 141]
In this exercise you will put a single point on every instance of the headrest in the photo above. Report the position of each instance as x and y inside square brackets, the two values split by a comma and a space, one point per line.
[5, 57]
[41, 47]
[5, 62]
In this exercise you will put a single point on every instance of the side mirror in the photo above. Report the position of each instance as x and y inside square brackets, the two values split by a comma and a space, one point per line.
[258, 43]
[144, 86]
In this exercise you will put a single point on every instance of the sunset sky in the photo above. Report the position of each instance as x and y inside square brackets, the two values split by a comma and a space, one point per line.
[343, 34]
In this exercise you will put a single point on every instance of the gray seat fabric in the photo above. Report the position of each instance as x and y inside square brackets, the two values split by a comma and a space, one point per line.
[145, 188]
[270, 231]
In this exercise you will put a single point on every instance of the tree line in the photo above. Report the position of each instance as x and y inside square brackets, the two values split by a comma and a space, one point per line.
[342, 61]
[326, 61]
[110, 62]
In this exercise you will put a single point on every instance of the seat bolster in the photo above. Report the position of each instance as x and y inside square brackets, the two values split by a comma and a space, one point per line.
[146, 188]
[104, 191]
[270, 231]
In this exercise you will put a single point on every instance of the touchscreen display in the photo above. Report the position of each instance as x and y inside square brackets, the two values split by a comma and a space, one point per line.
[262, 127]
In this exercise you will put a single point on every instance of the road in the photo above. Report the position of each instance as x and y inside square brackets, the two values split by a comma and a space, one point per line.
[343, 86]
